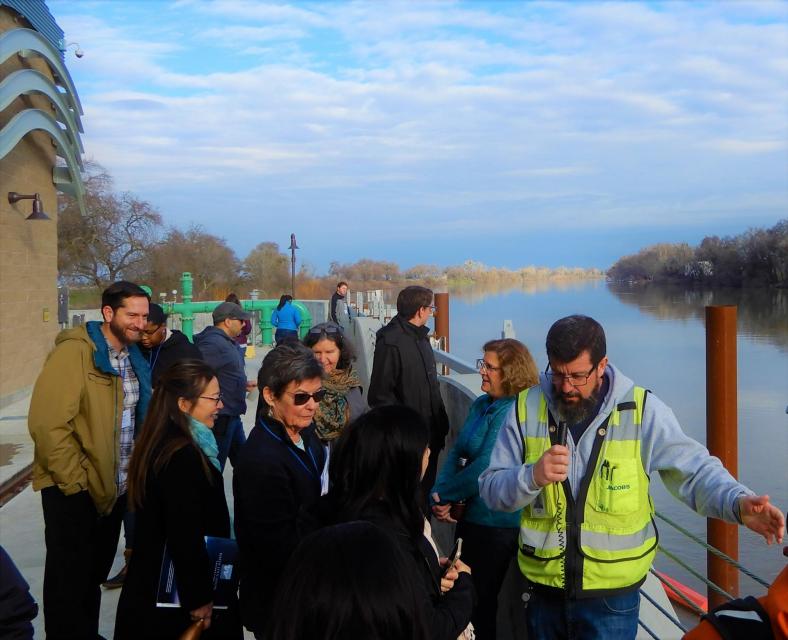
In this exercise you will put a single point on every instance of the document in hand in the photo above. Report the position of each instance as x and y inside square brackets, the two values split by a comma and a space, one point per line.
[223, 555]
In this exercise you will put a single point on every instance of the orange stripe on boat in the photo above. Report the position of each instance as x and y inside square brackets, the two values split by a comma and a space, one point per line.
[673, 588]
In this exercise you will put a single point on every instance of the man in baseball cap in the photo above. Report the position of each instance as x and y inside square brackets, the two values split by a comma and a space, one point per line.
[218, 348]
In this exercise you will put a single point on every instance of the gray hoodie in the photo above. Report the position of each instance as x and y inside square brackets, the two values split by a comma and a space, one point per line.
[687, 469]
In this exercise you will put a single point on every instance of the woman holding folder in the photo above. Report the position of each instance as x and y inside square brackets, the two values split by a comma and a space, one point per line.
[177, 492]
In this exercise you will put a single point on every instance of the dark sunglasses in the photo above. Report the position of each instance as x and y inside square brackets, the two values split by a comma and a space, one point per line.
[327, 328]
[302, 397]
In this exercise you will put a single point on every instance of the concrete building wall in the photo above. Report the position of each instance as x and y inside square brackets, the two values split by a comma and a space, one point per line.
[28, 248]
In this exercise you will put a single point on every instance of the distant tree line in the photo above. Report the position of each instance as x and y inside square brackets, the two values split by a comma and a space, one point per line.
[123, 236]
[755, 257]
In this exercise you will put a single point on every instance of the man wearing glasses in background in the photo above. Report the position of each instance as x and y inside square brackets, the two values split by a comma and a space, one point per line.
[218, 349]
[587, 533]
[162, 346]
[403, 370]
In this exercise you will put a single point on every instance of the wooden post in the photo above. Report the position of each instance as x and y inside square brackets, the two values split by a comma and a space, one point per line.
[442, 318]
[721, 439]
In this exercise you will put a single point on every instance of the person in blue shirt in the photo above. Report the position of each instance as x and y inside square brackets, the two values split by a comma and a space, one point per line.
[286, 318]
[489, 537]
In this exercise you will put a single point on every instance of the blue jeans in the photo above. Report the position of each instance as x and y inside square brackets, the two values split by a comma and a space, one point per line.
[229, 434]
[610, 618]
[285, 335]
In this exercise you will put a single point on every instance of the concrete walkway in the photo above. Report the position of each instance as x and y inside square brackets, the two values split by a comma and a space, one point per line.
[22, 521]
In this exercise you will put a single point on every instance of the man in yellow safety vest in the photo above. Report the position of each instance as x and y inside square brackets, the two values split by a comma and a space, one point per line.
[575, 454]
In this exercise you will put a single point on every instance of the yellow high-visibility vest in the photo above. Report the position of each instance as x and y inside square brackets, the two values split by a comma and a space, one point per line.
[605, 539]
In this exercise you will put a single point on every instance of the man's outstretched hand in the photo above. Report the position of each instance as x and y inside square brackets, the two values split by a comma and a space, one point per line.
[758, 514]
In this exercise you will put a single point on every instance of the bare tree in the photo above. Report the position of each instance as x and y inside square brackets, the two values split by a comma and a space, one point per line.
[111, 240]
[267, 269]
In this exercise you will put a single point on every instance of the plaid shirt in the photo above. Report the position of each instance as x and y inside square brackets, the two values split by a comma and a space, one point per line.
[131, 395]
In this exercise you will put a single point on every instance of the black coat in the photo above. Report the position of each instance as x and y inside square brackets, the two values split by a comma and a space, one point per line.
[272, 481]
[447, 614]
[181, 507]
[175, 348]
[403, 372]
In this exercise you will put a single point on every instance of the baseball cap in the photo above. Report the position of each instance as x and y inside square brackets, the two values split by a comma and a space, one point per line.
[229, 310]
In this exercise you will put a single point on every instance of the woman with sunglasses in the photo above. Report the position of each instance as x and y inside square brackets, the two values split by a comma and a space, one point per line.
[278, 473]
[343, 401]
[177, 493]
[489, 537]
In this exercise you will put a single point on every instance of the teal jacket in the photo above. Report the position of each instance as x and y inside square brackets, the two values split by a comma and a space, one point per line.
[475, 442]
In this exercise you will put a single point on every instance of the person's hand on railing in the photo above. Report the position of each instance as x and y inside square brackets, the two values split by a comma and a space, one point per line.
[759, 515]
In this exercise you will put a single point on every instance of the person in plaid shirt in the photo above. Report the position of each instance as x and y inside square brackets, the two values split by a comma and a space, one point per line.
[87, 404]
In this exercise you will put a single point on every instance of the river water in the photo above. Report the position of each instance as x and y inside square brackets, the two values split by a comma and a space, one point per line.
[656, 336]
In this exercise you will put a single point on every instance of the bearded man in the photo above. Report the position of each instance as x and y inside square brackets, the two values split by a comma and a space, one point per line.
[87, 404]
[587, 532]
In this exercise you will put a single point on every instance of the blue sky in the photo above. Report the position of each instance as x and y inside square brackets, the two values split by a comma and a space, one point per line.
[511, 133]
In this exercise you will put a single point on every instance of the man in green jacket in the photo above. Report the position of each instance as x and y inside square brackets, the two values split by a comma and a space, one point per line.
[87, 403]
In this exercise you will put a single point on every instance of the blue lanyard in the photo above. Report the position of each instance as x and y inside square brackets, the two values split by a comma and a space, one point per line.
[294, 454]
[152, 359]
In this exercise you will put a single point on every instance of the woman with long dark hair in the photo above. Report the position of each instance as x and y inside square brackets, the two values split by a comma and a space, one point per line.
[177, 493]
[286, 318]
[375, 475]
[356, 582]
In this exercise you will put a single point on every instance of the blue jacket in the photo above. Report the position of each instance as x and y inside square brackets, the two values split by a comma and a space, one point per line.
[288, 317]
[475, 442]
[220, 352]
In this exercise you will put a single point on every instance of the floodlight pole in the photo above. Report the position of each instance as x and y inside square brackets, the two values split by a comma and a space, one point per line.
[293, 247]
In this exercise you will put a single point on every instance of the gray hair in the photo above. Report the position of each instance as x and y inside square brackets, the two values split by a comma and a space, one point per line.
[288, 362]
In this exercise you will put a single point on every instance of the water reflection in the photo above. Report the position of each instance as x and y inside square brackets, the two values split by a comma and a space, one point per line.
[476, 293]
[761, 312]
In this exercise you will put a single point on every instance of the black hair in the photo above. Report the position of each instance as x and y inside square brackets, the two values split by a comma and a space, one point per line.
[232, 297]
[115, 294]
[166, 428]
[377, 461]
[156, 314]
[335, 333]
[286, 297]
[341, 283]
[570, 336]
[287, 362]
[411, 299]
[353, 582]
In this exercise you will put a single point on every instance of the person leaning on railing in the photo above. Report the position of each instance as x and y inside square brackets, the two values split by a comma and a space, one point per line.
[489, 537]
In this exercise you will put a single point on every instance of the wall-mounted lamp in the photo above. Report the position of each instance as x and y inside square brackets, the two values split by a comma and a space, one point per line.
[77, 50]
[38, 208]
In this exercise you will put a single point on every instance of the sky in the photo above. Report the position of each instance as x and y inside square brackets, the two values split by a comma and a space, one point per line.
[509, 133]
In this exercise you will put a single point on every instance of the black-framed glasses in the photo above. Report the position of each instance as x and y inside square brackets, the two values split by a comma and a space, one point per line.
[575, 379]
[216, 399]
[482, 365]
[302, 397]
[153, 332]
[431, 307]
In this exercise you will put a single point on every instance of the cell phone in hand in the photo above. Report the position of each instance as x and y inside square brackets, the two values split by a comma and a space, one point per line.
[455, 554]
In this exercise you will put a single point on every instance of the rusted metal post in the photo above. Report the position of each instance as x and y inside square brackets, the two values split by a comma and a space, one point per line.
[442, 318]
[722, 438]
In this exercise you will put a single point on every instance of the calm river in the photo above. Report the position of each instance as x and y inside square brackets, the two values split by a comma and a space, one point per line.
[655, 335]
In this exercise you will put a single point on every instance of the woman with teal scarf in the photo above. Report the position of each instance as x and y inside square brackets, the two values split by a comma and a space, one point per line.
[489, 537]
[176, 490]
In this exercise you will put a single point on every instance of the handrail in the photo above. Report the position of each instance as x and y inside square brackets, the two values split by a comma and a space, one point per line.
[453, 362]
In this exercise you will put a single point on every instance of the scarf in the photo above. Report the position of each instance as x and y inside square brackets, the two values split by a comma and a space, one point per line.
[333, 412]
[205, 439]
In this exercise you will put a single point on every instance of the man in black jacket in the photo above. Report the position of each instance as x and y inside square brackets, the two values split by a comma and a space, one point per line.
[403, 371]
[163, 346]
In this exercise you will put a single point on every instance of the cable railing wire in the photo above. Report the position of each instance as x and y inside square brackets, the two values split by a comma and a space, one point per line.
[663, 611]
[699, 576]
[681, 595]
[713, 550]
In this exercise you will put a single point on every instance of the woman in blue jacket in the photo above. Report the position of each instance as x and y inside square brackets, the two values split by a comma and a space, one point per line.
[489, 537]
[286, 318]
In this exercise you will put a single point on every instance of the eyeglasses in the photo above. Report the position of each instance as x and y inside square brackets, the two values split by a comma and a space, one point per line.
[431, 307]
[325, 328]
[217, 399]
[575, 379]
[153, 332]
[481, 365]
[302, 397]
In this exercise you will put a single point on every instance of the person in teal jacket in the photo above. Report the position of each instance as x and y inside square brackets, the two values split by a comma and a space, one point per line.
[286, 318]
[489, 537]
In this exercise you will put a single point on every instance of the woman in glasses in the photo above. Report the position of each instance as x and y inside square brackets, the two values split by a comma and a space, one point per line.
[176, 491]
[489, 537]
[278, 472]
[342, 402]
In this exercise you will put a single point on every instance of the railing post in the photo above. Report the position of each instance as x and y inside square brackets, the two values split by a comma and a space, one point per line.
[442, 322]
[721, 438]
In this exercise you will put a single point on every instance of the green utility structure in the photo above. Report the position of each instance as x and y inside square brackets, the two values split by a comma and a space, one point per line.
[187, 309]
